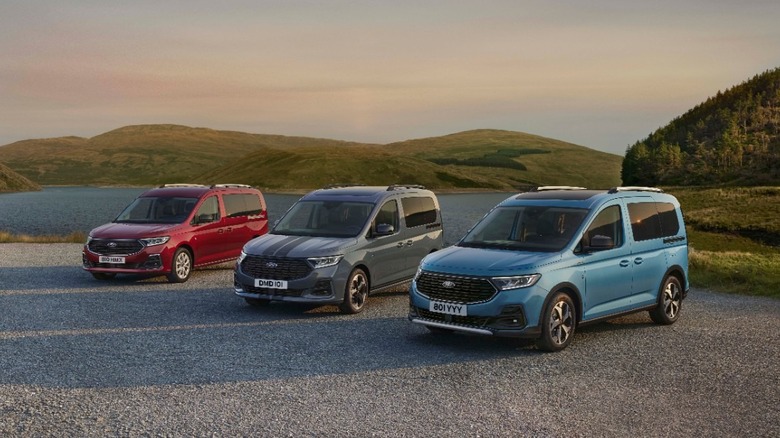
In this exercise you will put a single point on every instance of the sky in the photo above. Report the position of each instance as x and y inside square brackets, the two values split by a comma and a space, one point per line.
[599, 73]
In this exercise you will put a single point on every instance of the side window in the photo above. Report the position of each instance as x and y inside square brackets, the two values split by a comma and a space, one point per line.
[242, 204]
[652, 220]
[208, 211]
[388, 214]
[608, 223]
[418, 211]
[670, 226]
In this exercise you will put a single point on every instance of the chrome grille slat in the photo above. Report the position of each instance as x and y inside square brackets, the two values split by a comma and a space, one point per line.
[466, 290]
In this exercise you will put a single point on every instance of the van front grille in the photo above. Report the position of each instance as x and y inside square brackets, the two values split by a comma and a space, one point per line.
[115, 246]
[455, 289]
[275, 268]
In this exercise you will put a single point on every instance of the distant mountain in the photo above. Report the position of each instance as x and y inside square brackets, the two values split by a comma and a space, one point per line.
[732, 138]
[155, 154]
[11, 181]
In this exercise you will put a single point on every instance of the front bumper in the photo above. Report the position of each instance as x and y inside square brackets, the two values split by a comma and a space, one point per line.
[321, 286]
[507, 314]
[150, 260]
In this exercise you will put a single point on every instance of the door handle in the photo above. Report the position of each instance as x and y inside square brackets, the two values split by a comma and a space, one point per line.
[624, 263]
[400, 245]
[638, 260]
[409, 243]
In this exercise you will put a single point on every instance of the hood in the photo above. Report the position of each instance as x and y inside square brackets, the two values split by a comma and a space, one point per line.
[298, 246]
[132, 231]
[487, 262]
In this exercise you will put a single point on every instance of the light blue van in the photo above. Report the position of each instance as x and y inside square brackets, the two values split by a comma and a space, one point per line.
[542, 263]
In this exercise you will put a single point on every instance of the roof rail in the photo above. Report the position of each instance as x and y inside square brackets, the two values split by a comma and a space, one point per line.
[635, 189]
[392, 187]
[546, 188]
[181, 185]
[231, 186]
[341, 185]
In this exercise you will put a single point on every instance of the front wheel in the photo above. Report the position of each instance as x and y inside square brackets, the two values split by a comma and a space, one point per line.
[669, 302]
[355, 293]
[182, 266]
[558, 323]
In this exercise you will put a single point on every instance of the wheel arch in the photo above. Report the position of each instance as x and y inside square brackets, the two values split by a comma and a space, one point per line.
[569, 289]
[676, 271]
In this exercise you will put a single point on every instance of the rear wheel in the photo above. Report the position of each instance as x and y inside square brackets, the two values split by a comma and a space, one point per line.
[181, 267]
[558, 323]
[355, 293]
[669, 302]
[103, 275]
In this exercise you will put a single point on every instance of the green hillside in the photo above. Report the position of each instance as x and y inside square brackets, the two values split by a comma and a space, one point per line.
[155, 154]
[140, 155]
[732, 138]
[516, 158]
[11, 181]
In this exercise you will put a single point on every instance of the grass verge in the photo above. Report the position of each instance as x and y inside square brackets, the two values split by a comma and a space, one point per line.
[736, 272]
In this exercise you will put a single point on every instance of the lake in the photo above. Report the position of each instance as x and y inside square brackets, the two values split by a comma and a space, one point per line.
[63, 210]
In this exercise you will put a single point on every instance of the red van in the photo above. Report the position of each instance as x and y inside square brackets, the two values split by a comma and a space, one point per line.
[174, 228]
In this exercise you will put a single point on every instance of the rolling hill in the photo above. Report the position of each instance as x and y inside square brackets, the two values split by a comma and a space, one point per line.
[731, 138]
[155, 154]
[11, 181]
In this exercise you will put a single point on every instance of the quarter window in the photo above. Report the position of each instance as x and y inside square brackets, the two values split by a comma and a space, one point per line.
[418, 211]
[652, 220]
[242, 204]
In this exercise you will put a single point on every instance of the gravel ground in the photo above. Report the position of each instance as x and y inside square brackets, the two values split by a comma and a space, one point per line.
[142, 357]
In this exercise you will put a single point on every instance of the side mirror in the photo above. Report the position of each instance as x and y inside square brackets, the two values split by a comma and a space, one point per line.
[202, 219]
[384, 230]
[600, 243]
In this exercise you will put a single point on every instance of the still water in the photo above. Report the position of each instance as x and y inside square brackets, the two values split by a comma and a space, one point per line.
[63, 210]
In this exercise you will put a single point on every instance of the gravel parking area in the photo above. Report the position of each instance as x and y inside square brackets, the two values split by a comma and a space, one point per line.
[142, 357]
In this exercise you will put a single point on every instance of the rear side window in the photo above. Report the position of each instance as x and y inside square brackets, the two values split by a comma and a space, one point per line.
[418, 211]
[651, 220]
[242, 204]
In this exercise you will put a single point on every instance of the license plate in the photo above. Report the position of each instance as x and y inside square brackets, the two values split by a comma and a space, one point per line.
[112, 259]
[270, 284]
[447, 308]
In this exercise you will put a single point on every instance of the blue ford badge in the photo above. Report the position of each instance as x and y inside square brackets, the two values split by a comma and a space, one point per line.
[271, 265]
[448, 284]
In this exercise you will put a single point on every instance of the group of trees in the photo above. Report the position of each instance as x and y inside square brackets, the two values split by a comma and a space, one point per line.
[732, 138]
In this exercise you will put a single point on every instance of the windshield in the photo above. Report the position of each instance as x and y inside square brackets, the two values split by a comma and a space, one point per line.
[157, 210]
[526, 228]
[325, 219]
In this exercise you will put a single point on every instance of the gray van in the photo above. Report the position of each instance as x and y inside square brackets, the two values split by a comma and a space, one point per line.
[339, 244]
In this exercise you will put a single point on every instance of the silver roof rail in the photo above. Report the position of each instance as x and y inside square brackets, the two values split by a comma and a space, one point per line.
[392, 187]
[231, 186]
[546, 188]
[341, 185]
[181, 185]
[635, 189]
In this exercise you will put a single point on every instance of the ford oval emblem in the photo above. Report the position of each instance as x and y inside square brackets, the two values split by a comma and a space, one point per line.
[448, 284]
[271, 265]
[112, 244]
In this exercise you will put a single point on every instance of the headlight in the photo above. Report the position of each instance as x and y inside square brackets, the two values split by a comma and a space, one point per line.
[520, 281]
[241, 258]
[324, 262]
[89, 239]
[153, 241]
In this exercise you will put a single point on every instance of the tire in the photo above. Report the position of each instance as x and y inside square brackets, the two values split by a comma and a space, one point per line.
[355, 292]
[669, 302]
[181, 266]
[257, 302]
[103, 275]
[559, 322]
